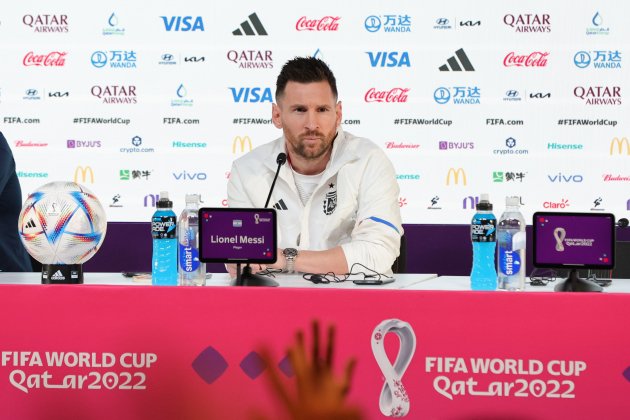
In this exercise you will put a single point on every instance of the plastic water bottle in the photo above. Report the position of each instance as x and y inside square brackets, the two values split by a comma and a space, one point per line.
[192, 272]
[511, 244]
[483, 275]
[164, 233]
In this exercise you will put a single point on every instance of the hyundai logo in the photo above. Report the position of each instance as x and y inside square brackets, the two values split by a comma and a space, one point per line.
[582, 59]
[372, 23]
[99, 59]
[167, 57]
[511, 93]
[442, 21]
[31, 92]
[442, 95]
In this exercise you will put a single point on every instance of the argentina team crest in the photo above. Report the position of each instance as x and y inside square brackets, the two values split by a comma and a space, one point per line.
[330, 201]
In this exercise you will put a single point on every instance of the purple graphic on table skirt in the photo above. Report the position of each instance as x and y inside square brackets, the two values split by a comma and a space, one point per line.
[209, 365]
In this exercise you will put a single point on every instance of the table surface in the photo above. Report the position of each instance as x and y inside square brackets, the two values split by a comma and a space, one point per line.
[403, 281]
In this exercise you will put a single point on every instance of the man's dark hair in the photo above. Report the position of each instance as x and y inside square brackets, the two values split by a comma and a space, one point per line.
[305, 70]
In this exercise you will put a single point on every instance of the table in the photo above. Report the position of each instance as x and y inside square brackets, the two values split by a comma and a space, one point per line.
[105, 350]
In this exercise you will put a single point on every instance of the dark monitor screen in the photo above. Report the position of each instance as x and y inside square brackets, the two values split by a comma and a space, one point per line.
[574, 240]
[233, 235]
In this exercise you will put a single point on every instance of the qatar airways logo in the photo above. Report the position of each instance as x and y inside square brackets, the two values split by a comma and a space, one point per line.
[598, 95]
[327, 23]
[528, 22]
[534, 59]
[52, 59]
[396, 94]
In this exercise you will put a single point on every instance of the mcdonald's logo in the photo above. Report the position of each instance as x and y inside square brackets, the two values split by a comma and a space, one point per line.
[84, 172]
[620, 143]
[456, 173]
[242, 141]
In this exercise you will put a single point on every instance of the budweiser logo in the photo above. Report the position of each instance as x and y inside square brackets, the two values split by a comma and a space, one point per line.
[400, 145]
[55, 58]
[327, 23]
[535, 59]
[393, 95]
[610, 177]
[22, 143]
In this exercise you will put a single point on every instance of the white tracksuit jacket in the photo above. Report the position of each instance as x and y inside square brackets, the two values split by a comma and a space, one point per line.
[355, 204]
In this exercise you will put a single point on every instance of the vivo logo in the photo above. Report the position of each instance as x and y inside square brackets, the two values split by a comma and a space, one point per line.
[565, 178]
[183, 23]
[251, 94]
[196, 176]
[389, 59]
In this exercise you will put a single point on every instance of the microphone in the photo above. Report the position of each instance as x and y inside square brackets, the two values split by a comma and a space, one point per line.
[280, 160]
[623, 222]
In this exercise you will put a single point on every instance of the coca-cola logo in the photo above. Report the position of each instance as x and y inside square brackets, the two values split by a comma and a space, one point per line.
[396, 94]
[327, 23]
[52, 59]
[534, 59]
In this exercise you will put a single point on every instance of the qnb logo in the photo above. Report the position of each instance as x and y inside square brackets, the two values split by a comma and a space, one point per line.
[244, 144]
[389, 59]
[183, 23]
[52, 59]
[210, 365]
[394, 401]
[455, 175]
[389, 23]
[528, 22]
[601, 59]
[461, 95]
[533, 59]
[251, 94]
[598, 95]
[115, 94]
[617, 145]
[457, 62]
[46, 23]
[326, 23]
[251, 27]
[396, 94]
[562, 178]
[562, 204]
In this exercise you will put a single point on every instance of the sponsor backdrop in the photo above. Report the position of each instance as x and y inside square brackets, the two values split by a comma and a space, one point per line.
[511, 99]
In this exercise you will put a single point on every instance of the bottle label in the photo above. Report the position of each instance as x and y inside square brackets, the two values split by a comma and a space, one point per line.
[163, 227]
[483, 230]
[509, 261]
[188, 258]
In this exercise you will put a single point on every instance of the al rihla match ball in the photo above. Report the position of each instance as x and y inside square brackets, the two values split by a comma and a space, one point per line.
[62, 223]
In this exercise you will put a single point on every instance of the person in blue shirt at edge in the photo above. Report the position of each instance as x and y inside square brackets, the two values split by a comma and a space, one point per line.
[337, 195]
[13, 255]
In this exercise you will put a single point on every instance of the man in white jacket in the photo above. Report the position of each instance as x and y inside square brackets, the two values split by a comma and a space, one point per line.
[337, 196]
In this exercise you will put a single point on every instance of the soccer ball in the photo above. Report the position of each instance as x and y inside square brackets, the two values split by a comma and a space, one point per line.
[62, 223]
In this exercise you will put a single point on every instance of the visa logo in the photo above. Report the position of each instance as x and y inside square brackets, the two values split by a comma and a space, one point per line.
[252, 94]
[565, 178]
[183, 23]
[200, 176]
[389, 59]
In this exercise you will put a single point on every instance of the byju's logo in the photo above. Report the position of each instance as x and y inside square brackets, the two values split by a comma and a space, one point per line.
[183, 23]
[181, 97]
[389, 58]
[112, 26]
[389, 23]
[457, 62]
[250, 27]
[533, 59]
[601, 59]
[565, 178]
[598, 95]
[461, 95]
[397, 94]
[117, 59]
[527, 22]
[456, 145]
[251, 94]
[75, 144]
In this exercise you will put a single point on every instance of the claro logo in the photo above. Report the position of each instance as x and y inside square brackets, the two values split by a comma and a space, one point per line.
[83, 173]
[618, 145]
[455, 175]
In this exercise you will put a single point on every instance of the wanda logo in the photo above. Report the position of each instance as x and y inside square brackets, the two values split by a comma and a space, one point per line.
[327, 23]
[394, 95]
[535, 59]
[52, 59]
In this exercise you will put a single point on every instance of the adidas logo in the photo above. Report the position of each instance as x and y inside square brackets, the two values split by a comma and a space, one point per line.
[280, 205]
[30, 224]
[58, 276]
[454, 65]
[247, 27]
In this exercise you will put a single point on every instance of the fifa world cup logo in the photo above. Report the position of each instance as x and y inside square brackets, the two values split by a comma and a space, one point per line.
[394, 401]
[559, 234]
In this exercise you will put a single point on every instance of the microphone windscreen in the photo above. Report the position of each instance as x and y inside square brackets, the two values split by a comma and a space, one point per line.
[281, 159]
[623, 222]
